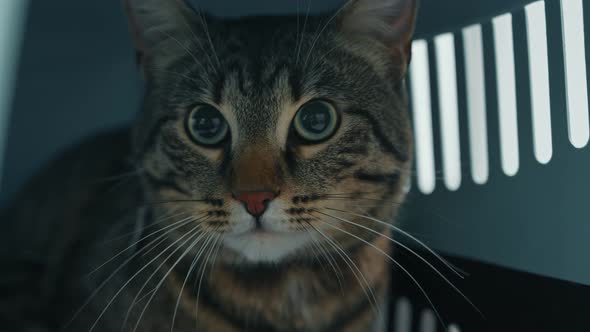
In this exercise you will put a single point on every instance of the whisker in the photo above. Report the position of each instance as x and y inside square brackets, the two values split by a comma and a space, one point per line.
[328, 256]
[392, 260]
[406, 234]
[154, 224]
[163, 279]
[208, 35]
[191, 268]
[173, 201]
[300, 41]
[172, 73]
[182, 46]
[118, 176]
[413, 253]
[204, 268]
[102, 284]
[323, 29]
[199, 234]
[186, 23]
[350, 263]
[363, 199]
[185, 221]
[141, 270]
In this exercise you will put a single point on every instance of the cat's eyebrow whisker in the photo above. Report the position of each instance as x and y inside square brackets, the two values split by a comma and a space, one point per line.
[141, 270]
[352, 266]
[422, 290]
[182, 46]
[300, 40]
[208, 35]
[455, 288]
[190, 28]
[173, 73]
[406, 234]
[325, 26]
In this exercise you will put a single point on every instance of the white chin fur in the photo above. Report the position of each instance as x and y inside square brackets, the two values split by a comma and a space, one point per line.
[267, 248]
[275, 244]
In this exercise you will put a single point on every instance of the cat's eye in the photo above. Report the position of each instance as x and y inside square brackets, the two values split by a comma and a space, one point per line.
[316, 121]
[207, 126]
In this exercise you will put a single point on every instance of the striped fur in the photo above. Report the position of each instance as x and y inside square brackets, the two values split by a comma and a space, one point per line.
[317, 267]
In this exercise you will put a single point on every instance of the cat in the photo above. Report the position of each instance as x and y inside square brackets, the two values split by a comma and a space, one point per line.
[247, 193]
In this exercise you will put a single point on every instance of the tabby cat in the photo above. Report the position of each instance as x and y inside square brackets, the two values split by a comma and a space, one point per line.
[248, 194]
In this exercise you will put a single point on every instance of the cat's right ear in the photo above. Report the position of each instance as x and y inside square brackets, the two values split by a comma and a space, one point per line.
[153, 22]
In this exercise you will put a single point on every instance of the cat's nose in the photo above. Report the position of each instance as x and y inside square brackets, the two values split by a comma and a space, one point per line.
[256, 202]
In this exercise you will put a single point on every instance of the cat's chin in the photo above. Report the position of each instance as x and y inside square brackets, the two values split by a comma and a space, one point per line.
[262, 246]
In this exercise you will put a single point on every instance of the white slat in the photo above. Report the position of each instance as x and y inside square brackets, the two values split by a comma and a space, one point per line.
[403, 315]
[420, 91]
[572, 17]
[539, 79]
[449, 117]
[476, 102]
[506, 84]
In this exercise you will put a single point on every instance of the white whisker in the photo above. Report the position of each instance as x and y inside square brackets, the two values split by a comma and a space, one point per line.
[142, 269]
[350, 263]
[163, 279]
[455, 288]
[422, 290]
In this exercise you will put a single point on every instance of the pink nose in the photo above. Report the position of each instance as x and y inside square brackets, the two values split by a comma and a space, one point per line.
[255, 201]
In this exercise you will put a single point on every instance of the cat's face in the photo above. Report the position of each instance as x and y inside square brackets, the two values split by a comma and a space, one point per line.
[274, 133]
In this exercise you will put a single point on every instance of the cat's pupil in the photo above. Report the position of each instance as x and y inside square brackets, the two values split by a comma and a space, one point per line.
[208, 123]
[315, 118]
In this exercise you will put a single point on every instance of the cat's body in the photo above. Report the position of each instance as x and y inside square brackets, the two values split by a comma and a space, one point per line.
[69, 244]
[224, 209]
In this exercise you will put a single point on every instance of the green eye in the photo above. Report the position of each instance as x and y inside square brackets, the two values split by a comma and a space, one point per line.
[207, 126]
[316, 121]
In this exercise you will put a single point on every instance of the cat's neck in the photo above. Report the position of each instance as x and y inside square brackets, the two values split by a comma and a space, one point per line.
[294, 296]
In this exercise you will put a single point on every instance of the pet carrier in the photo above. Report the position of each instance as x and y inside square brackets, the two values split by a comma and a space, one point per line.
[499, 99]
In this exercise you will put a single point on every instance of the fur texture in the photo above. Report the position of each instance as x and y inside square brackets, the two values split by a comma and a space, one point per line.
[163, 244]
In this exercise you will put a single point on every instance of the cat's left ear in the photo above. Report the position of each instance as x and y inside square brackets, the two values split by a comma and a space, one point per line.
[391, 22]
[153, 22]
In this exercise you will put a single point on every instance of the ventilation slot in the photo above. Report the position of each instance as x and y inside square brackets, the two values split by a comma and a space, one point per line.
[539, 80]
[403, 319]
[477, 141]
[476, 102]
[454, 328]
[572, 18]
[403, 315]
[449, 117]
[422, 112]
[505, 71]
[427, 321]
